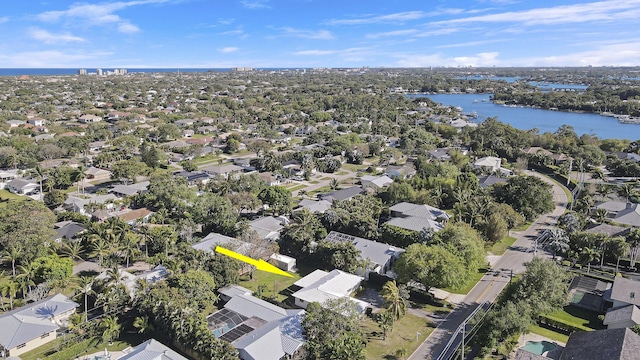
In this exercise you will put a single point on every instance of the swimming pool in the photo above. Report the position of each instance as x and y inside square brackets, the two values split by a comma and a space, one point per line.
[539, 347]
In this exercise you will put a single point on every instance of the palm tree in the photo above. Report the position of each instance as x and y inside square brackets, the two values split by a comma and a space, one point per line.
[400, 353]
[143, 324]
[625, 190]
[393, 300]
[85, 283]
[557, 241]
[600, 215]
[8, 287]
[145, 231]
[73, 249]
[110, 328]
[619, 247]
[334, 184]
[385, 321]
[130, 246]
[39, 172]
[588, 256]
[100, 248]
[28, 271]
[12, 255]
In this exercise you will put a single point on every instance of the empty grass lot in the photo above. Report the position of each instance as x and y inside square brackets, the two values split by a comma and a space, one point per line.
[281, 284]
[403, 335]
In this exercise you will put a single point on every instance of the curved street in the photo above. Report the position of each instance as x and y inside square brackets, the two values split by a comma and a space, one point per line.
[492, 283]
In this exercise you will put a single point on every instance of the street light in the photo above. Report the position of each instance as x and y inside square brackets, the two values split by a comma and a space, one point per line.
[417, 335]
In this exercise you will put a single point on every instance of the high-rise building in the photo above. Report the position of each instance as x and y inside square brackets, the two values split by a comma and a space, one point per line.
[82, 72]
[99, 71]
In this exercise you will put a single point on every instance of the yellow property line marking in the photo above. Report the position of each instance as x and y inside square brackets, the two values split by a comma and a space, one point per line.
[259, 264]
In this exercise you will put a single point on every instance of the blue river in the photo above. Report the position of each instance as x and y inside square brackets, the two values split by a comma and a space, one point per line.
[524, 118]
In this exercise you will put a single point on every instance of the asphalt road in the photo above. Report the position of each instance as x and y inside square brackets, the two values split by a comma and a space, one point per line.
[490, 286]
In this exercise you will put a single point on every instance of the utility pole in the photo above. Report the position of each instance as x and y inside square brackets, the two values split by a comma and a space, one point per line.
[464, 325]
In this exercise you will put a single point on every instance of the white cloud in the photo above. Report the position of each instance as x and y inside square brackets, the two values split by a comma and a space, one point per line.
[228, 50]
[349, 52]
[480, 59]
[469, 44]
[127, 28]
[392, 33]
[40, 59]
[97, 14]
[50, 38]
[4, 19]
[396, 17]
[308, 34]
[256, 4]
[613, 10]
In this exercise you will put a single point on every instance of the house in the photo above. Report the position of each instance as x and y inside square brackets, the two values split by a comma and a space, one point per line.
[320, 286]
[185, 122]
[43, 137]
[36, 122]
[343, 194]
[622, 317]
[206, 129]
[229, 291]
[587, 292]
[270, 178]
[130, 190]
[610, 344]
[485, 181]
[87, 118]
[194, 177]
[22, 186]
[68, 230]
[222, 170]
[405, 171]
[380, 256]
[152, 349]
[94, 173]
[82, 204]
[440, 154]
[34, 325]
[15, 123]
[258, 329]
[187, 133]
[416, 217]
[136, 216]
[268, 227]
[375, 183]
[612, 207]
[629, 216]
[623, 292]
[609, 230]
[131, 281]
[488, 163]
[208, 244]
[97, 146]
[314, 206]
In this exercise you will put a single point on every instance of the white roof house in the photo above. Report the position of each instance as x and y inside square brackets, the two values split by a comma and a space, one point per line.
[33, 325]
[372, 182]
[152, 350]
[258, 329]
[490, 163]
[268, 227]
[320, 286]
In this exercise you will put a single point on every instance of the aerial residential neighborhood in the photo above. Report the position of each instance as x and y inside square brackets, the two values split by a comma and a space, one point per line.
[408, 229]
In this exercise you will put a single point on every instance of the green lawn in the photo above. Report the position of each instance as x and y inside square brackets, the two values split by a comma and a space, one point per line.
[5, 195]
[535, 329]
[522, 227]
[293, 187]
[280, 283]
[89, 346]
[403, 335]
[579, 317]
[501, 246]
[467, 286]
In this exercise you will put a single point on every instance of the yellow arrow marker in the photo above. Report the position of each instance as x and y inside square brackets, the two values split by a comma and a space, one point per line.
[259, 264]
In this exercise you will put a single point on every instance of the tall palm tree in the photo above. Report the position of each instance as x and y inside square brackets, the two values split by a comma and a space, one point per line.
[11, 255]
[393, 300]
[85, 283]
[619, 247]
[588, 256]
[28, 271]
[39, 172]
[72, 249]
[600, 215]
[100, 248]
[130, 246]
[9, 287]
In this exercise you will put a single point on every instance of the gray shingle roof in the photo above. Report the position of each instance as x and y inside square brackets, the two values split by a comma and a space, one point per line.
[610, 344]
[378, 253]
[626, 291]
[629, 216]
[249, 306]
[415, 223]
[343, 194]
[625, 313]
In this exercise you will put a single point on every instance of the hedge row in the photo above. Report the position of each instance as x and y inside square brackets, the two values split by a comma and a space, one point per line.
[561, 326]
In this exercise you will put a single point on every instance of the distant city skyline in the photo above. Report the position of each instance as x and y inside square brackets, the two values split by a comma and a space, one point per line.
[318, 33]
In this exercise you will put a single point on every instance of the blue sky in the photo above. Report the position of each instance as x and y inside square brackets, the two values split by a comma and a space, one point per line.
[318, 33]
